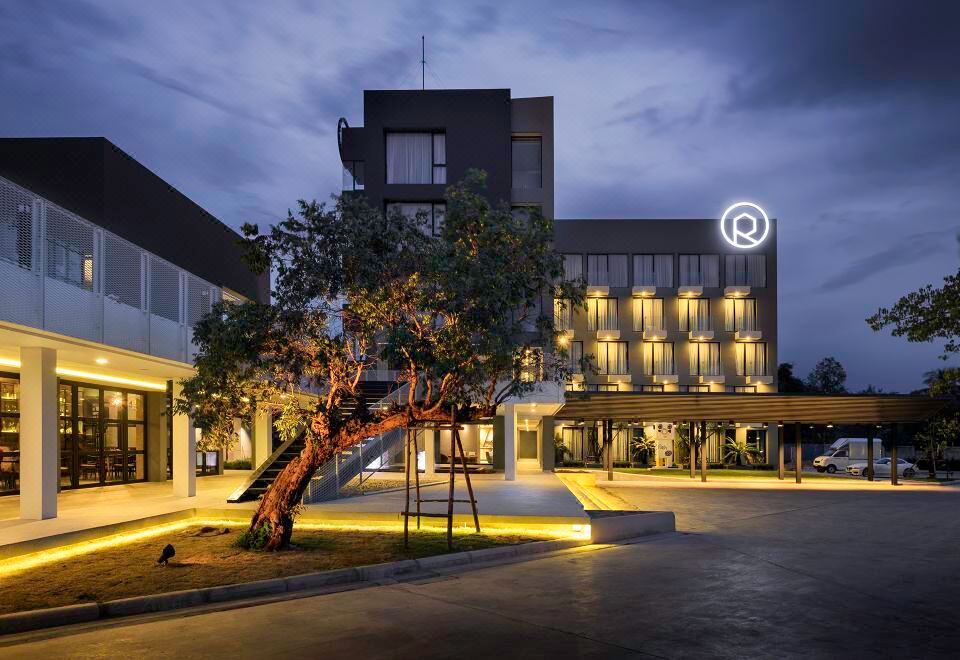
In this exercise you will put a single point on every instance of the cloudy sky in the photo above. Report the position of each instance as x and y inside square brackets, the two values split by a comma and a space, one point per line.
[840, 118]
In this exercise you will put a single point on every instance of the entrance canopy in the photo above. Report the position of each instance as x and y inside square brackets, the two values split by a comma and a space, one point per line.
[806, 408]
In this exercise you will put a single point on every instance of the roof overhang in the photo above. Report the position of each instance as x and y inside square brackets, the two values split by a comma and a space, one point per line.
[806, 408]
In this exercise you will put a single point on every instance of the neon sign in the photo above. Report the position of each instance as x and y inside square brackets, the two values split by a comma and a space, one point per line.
[744, 225]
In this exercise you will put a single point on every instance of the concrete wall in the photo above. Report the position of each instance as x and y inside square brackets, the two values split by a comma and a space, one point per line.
[158, 436]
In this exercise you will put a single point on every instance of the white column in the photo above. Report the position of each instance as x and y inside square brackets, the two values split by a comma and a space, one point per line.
[184, 453]
[262, 435]
[509, 442]
[429, 452]
[39, 450]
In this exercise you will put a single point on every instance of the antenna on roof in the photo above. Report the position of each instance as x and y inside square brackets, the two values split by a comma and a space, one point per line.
[423, 63]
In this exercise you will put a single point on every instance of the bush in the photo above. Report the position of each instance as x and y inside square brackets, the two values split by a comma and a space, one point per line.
[256, 539]
[573, 464]
[239, 464]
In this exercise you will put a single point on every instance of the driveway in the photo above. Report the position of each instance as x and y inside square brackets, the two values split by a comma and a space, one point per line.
[752, 574]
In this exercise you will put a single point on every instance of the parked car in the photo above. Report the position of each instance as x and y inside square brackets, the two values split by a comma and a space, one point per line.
[881, 468]
[845, 451]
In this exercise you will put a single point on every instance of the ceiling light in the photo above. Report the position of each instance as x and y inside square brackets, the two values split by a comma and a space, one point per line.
[101, 360]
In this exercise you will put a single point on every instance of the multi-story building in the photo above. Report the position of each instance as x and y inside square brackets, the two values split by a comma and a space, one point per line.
[672, 306]
[105, 269]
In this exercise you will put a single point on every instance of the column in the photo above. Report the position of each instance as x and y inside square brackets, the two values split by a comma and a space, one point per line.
[510, 442]
[773, 443]
[184, 453]
[780, 452]
[798, 451]
[262, 435]
[703, 451]
[158, 436]
[894, 439]
[39, 449]
[548, 453]
[429, 441]
[870, 457]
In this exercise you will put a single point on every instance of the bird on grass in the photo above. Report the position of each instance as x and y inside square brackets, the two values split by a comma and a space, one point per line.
[167, 553]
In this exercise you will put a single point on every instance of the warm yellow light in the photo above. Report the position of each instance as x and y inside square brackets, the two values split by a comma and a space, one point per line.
[101, 360]
[89, 375]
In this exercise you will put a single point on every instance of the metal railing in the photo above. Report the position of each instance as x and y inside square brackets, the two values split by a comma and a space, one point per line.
[64, 274]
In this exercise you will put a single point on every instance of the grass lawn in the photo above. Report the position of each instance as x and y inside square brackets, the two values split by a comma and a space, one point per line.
[725, 473]
[206, 557]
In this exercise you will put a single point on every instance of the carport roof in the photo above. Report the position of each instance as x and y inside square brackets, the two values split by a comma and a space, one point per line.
[806, 408]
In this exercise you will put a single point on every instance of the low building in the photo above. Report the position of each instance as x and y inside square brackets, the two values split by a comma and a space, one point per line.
[105, 269]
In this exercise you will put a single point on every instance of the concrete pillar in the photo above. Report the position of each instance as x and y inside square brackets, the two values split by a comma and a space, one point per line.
[780, 453]
[498, 425]
[548, 454]
[262, 436]
[773, 442]
[510, 442]
[39, 449]
[158, 436]
[429, 443]
[798, 451]
[703, 451]
[184, 453]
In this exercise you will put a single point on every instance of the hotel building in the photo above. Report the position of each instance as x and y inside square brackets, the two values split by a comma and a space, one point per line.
[105, 269]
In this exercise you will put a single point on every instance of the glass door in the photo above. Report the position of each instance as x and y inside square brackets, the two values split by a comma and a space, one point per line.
[67, 437]
[89, 436]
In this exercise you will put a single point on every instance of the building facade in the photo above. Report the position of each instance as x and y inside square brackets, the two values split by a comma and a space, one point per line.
[105, 269]
[672, 307]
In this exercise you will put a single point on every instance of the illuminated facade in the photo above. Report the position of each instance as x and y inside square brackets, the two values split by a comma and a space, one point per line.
[105, 269]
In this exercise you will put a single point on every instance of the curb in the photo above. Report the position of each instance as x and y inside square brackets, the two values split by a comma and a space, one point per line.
[19, 622]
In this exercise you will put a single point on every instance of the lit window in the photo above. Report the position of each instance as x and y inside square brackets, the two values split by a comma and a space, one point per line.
[607, 270]
[653, 270]
[416, 158]
[658, 358]
[752, 359]
[647, 314]
[602, 314]
[740, 314]
[746, 270]
[704, 359]
[694, 314]
[613, 358]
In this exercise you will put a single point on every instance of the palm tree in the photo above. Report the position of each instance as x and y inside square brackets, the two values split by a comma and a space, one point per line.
[740, 451]
[643, 445]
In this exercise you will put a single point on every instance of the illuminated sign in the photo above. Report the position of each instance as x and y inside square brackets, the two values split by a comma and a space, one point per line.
[744, 225]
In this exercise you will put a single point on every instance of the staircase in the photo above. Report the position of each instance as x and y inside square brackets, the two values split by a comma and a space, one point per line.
[373, 393]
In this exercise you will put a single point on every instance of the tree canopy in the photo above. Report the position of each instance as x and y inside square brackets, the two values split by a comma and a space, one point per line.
[460, 316]
[827, 377]
[925, 315]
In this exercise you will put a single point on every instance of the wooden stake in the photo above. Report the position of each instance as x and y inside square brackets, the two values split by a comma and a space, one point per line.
[406, 506]
[703, 451]
[453, 462]
[466, 477]
[416, 473]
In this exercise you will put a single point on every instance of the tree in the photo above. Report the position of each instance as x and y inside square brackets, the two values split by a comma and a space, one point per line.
[740, 451]
[925, 315]
[940, 431]
[786, 381]
[643, 445]
[458, 314]
[827, 377]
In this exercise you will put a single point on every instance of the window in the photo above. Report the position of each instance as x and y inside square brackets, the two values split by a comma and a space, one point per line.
[9, 434]
[602, 387]
[752, 359]
[704, 359]
[694, 314]
[602, 314]
[746, 270]
[695, 389]
[576, 357]
[742, 389]
[648, 388]
[531, 365]
[613, 358]
[562, 314]
[740, 314]
[353, 175]
[416, 158]
[653, 270]
[573, 267]
[647, 314]
[607, 270]
[700, 270]
[527, 162]
[430, 214]
[658, 359]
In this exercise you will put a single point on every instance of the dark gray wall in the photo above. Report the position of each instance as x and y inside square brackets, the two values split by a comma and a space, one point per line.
[101, 183]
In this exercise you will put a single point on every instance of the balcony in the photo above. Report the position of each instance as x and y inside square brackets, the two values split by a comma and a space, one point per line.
[618, 378]
[665, 378]
[736, 292]
[597, 290]
[711, 380]
[690, 291]
[644, 291]
[701, 335]
[747, 335]
[759, 380]
[654, 334]
[576, 378]
[608, 335]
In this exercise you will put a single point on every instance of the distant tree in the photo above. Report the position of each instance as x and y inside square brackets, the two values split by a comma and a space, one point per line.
[740, 452]
[871, 389]
[786, 381]
[827, 377]
[943, 382]
[925, 315]
[942, 430]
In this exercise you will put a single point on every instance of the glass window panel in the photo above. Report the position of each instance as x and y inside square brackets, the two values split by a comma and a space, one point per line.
[602, 314]
[409, 158]
[135, 407]
[704, 359]
[617, 265]
[527, 163]
[65, 400]
[113, 402]
[562, 314]
[439, 149]
[88, 402]
[597, 271]
[573, 267]
[9, 395]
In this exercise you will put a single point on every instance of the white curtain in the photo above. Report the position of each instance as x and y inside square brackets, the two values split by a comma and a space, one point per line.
[597, 273]
[602, 314]
[617, 271]
[741, 314]
[663, 269]
[752, 359]
[647, 314]
[612, 357]
[409, 157]
[562, 314]
[704, 359]
[694, 315]
[657, 358]
[572, 267]
[439, 158]
[710, 269]
[757, 270]
[746, 270]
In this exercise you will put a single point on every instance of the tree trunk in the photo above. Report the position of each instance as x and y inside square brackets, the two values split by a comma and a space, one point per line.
[933, 461]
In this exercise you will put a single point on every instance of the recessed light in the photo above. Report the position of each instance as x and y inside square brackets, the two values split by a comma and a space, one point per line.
[101, 360]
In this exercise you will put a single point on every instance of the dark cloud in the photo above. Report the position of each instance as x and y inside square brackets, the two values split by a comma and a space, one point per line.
[911, 249]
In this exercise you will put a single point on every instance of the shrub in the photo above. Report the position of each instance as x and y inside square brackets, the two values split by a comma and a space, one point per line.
[256, 539]
[239, 464]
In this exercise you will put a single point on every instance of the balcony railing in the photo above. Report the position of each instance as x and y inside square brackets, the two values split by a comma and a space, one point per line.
[66, 275]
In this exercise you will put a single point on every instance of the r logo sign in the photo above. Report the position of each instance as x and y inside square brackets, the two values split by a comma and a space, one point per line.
[744, 225]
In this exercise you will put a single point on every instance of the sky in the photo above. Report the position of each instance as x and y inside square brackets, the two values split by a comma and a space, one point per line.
[839, 118]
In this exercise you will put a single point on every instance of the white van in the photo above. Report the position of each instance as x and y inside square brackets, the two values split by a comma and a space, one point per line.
[844, 451]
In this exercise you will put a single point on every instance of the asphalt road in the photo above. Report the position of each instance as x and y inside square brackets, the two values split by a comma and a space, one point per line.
[769, 574]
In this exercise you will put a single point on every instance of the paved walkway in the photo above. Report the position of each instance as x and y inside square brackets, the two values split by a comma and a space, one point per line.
[757, 574]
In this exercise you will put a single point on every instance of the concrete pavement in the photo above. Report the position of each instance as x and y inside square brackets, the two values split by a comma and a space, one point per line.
[757, 574]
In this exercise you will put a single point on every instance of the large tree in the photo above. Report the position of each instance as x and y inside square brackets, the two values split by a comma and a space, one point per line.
[925, 315]
[827, 377]
[460, 315]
